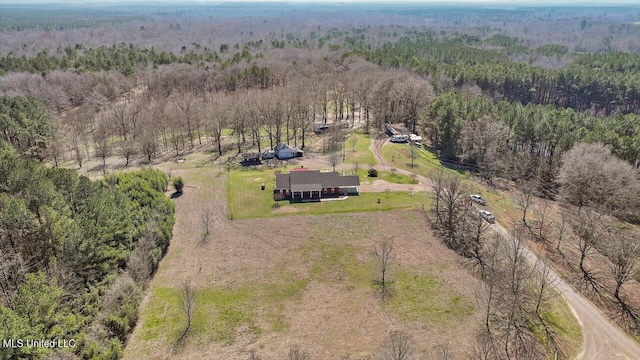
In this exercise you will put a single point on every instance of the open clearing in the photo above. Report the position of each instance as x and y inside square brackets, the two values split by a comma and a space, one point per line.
[265, 284]
[247, 200]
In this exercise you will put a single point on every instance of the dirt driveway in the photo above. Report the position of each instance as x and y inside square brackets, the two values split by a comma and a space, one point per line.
[382, 186]
[602, 339]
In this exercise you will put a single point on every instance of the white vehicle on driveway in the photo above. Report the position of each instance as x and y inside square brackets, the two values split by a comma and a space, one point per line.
[488, 216]
[478, 199]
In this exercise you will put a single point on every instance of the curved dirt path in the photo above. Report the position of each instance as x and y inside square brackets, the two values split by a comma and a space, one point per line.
[601, 338]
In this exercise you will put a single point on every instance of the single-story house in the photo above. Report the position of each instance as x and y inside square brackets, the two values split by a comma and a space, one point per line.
[284, 151]
[312, 184]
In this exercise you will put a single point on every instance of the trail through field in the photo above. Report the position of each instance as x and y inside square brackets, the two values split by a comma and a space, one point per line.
[601, 338]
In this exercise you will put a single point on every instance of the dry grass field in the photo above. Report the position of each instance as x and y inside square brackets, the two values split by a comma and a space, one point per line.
[265, 284]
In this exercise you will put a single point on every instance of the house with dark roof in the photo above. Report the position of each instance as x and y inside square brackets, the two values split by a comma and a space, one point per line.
[250, 159]
[302, 184]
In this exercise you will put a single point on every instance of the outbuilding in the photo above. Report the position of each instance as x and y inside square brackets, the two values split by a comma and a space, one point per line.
[284, 151]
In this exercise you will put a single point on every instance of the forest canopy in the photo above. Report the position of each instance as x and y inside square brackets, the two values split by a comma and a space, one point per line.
[75, 253]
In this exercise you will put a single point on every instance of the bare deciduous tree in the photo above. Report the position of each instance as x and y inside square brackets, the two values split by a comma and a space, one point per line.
[205, 221]
[353, 140]
[444, 351]
[475, 233]
[541, 218]
[398, 346]
[334, 159]
[562, 229]
[526, 199]
[102, 141]
[188, 304]
[587, 230]
[516, 299]
[450, 207]
[382, 255]
[591, 175]
[623, 251]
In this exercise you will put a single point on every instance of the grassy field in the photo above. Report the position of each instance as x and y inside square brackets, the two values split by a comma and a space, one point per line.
[220, 312]
[263, 284]
[505, 207]
[423, 297]
[389, 176]
[502, 205]
[361, 153]
[314, 287]
[247, 201]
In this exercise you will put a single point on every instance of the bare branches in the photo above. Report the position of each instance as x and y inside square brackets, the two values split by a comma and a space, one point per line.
[623, 251]
[398, 346]
[587, 230]
[382, 255]
[515, 298]
[591, 175]
[444, 351]
[450, 208]
[187, 297]
[205, 221]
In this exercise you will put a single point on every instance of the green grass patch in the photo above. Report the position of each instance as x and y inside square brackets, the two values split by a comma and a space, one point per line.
[389, 176]
[566, 326]
[426, 163]
[272, 298]
[365, 202]
[245, 198]
[221, 312]
[336, 262]
[362, 153]
[426, 298]
[162, 315]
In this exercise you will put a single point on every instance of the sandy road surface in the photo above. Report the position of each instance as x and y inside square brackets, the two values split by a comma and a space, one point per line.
[601, 339]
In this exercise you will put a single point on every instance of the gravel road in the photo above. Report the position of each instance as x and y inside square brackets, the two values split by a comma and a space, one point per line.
[601, 338]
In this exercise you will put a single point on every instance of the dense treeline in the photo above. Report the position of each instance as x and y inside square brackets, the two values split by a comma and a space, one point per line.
[75, 253]
[25, 17]
[522, 141]
[601, 84]
[25, 124]
[122, 57]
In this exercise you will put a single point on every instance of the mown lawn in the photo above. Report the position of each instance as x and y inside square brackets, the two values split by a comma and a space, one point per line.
[425, 163]
[362, 153]
[246, 200]
[389, 176]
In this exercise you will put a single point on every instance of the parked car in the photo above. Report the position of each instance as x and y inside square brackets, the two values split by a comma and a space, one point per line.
[488, 216]
[478, 199]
